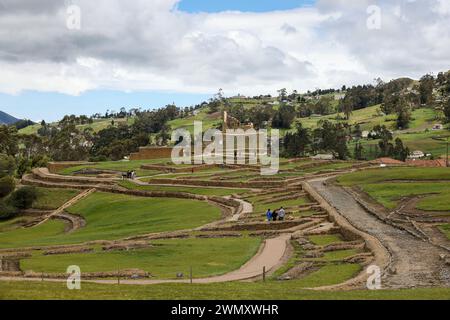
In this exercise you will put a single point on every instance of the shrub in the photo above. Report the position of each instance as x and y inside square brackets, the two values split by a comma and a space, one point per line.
[7, 186]
[23, 198]
[7, 211]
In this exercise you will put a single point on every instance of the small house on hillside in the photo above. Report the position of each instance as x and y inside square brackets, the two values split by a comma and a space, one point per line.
[323, 157]
[438, 126]
[416, 155]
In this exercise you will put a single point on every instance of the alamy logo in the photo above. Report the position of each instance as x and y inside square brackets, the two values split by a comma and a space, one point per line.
[374, 280]
[73, 21]
[374, 19]
[74, 279]
[230, 146]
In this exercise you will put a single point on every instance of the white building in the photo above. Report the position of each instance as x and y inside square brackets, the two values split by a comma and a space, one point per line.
[416, 155]
[438, 126]
[323, 157]
[365, 134]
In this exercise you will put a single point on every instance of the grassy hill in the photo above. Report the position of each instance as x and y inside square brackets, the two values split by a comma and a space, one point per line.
[98, 125]
[419, 136]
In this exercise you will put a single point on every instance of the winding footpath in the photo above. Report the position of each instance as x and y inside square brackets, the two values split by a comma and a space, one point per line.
[414, 262]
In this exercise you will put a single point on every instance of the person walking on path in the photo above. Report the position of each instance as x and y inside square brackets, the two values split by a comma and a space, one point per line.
[269, 215]
[281, 214]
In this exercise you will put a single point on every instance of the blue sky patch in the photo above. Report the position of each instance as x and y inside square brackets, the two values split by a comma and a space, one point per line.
[194, 6]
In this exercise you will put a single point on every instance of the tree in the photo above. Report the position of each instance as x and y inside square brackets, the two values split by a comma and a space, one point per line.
[6, 210]
[9, 140]
[330, 137]
[426, 89]
[359, 150]
[261, 115]
[403, 114]
[7, 185]
[324, 106]
[297, 144]
[447, 110]
[400, 152]
[282, 94]
[24, 197]
[7, 165]
[163, 136]
[357, 131]
[346, 106]
[284, 117]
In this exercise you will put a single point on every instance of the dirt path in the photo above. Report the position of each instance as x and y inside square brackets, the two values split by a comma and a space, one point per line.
[415, 263]
[269, 256]
[247, 208]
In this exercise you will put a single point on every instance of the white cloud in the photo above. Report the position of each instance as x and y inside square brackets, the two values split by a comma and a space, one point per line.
[149, 45]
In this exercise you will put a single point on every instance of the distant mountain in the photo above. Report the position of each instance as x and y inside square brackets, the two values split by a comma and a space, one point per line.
[7, 119]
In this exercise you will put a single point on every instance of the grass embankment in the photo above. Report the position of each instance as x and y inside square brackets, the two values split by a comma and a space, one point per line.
[48, 199]
[388, 186]
[207, 257]
[115, 216]
[121, 166]
[200, 191]
[262, 203]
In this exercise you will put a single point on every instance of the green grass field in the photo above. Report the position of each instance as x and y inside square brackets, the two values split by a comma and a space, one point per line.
[389, 194]
[389, 185]
[274, 290]
[200, 191]
[97, 125]
[207, 257]
[392, 174]
[122, 166]
[53, 198]
[323, 240]
[113, 216]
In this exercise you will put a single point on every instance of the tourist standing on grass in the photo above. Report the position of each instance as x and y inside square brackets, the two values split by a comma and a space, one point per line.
[281, 214]
[275, 215]
[269, 215]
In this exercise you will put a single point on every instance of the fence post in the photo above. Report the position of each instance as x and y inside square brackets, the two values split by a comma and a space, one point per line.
[264, 274]
[190, 275]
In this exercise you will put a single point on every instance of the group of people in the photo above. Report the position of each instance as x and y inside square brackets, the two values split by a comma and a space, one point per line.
[129, 175]
[277, 215]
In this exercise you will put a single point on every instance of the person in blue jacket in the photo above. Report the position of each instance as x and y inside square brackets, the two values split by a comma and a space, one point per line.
[269, 215]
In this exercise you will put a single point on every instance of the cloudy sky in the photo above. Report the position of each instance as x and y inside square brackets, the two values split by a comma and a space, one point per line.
[151, 52]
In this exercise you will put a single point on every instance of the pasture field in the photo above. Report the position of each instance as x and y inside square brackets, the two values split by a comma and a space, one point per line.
[389, 186]
[163, 260]
[199, 191]
[119, 232]
[113, 216]
[53, 198]
[97, 125]
[223, 291]
[395, 188]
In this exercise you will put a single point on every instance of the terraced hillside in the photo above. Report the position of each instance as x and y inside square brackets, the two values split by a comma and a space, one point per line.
[415, 198]
[126, 225]
[208, 220]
